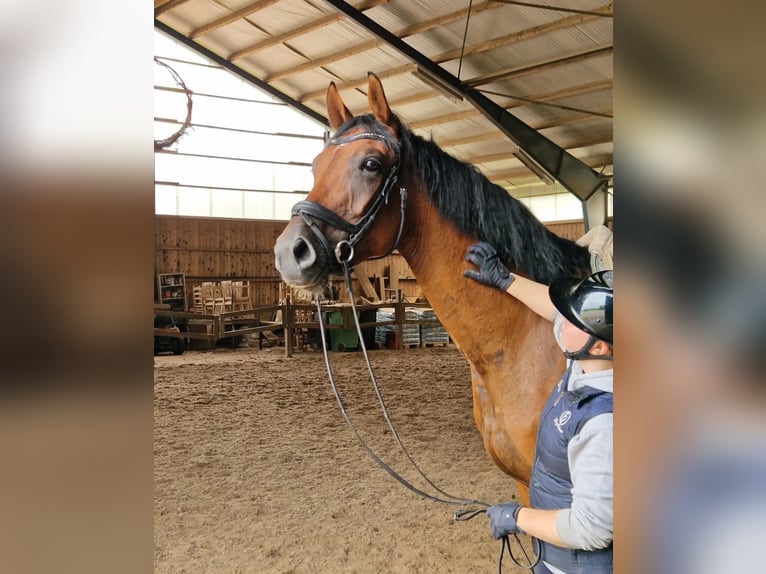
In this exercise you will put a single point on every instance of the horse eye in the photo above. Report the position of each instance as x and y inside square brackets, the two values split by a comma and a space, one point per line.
[371, 164]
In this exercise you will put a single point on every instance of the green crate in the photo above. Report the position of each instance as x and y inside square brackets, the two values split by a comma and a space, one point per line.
[341, 339]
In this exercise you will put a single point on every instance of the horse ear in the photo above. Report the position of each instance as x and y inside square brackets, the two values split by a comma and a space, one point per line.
[379, 104]
[336, 109]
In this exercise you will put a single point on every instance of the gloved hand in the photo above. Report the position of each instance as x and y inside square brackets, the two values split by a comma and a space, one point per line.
[502, 519]
[491, 271]
[599, 242]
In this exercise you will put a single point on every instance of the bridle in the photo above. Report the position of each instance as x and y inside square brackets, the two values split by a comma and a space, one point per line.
[344, 249]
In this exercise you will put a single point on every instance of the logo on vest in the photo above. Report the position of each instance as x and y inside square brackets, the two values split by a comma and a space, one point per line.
[560, 421]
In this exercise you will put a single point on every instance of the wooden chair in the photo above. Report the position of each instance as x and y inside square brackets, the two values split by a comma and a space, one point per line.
[198, 301]
[218, 300]
[208, 297]
[227, 292]
[242, 295]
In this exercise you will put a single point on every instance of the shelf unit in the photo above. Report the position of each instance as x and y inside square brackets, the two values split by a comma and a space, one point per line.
[172, 290]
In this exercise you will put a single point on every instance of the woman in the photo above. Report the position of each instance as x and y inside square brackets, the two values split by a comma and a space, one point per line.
[571, 490]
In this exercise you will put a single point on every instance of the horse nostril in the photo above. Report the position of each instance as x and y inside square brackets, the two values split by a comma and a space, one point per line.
[300, 248]
[304, 253]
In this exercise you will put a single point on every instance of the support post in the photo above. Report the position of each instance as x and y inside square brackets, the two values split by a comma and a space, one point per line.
[594, 209]
[289, 322]
[399, 317]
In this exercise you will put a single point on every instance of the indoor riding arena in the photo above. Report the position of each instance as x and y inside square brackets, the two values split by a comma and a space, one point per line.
[256, 470]
[314, 410]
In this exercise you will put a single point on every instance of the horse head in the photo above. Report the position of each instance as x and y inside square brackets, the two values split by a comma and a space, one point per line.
[355, 176]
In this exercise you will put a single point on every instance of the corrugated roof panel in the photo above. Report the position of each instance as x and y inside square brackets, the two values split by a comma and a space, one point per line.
[192, 14]
[368, 60]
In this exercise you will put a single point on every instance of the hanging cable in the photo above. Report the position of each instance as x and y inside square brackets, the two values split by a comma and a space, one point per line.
[465, 36]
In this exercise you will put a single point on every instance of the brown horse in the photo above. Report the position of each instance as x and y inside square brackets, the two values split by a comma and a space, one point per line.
[378, 186]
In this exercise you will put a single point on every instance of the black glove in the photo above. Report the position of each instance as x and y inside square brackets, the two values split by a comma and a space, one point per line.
[502, 519]
[491, 271]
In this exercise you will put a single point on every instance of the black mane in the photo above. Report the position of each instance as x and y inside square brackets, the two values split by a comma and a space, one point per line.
[477, 207]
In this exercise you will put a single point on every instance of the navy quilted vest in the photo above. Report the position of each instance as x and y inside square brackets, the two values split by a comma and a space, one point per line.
[564, 415]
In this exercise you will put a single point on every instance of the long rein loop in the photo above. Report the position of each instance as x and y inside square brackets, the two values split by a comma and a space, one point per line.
[505, 546]
[359, 438]
[381, 402]
[461, 515]
[453, 500]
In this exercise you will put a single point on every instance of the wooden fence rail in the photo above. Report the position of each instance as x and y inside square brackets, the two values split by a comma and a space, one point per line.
[289, 318]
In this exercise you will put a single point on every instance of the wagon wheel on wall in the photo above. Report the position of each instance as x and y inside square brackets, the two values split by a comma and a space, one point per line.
[169, 141]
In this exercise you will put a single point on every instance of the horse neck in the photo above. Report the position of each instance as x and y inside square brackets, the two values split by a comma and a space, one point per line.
[511, 351]
[473, 314]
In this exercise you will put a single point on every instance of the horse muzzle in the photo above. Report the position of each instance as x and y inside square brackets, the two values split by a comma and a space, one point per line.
[297, 258]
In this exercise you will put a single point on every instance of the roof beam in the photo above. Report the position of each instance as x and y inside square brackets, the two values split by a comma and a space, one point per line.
[524, 70]
[231, 17]
[358, 82]
[457, 142]
[319, 62]
[162, 7]
[595, 161]
[573, 174]
[443, 119]
[300, 31]
[564, 121]
[506, 154]
[543, 99]
[282, 38]
[538, 102]
[411, 99]
[558, 8]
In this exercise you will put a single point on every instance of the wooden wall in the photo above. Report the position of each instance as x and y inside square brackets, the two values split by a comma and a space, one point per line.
[212, 249]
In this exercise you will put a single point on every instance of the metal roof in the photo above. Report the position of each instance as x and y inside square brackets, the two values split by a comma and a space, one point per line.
[546, 65]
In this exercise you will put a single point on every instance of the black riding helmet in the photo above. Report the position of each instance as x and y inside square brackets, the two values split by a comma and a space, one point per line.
[586, 303]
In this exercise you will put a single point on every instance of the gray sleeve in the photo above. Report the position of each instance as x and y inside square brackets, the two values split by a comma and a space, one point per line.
[588, 523]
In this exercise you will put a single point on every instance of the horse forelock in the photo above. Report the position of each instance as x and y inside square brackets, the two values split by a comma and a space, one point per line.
[369, 123]
[475, 206]
[365, 121]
